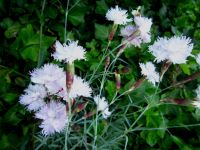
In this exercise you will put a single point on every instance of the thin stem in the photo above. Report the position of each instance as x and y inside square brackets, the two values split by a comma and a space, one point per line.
[40, 56]
[66, 16]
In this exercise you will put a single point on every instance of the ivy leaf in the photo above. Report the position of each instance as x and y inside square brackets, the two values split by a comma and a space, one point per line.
[101, 32]
[185, 68]
[101, 8]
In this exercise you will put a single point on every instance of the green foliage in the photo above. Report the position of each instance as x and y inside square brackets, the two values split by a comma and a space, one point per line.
[27, 36]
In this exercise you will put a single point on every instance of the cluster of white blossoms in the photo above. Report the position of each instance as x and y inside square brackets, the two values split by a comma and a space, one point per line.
[49, 81]
[118, 16]
[102, 105]
[149, 71]
[175, 49]
[47, 95]
[137, 33]
[69, 53]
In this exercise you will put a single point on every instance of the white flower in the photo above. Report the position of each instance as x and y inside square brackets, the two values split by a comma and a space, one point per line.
[102, 105]
[198, 92]
[34, 97]
[143, 24]
[79, 88]
[175, 49]
[53, 116]
[131, 36]
[118, 16]
[69, 53]
[49, 75]
[198, 59]
[148, 70]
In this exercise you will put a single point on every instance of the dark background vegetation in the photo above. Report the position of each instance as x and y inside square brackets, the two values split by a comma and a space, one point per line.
[26, 37]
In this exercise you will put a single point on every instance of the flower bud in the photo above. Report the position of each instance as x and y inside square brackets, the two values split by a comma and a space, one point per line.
[118, 81]
[136, 84]
[69, 75]
[80, 107]
[107, 61]
[112, 32]
[121, 50]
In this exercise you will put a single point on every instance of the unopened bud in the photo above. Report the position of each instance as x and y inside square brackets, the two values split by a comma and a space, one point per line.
[69, 75]
[80, 107]
[136, 84]
[121, 50]
[165, 67]
[124, 70]
[178, 101]
[118, 81]
[107, 61]
[112, 32]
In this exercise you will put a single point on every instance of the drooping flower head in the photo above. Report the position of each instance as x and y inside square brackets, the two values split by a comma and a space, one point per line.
[102, 105]
[175, 49]
[53, 116]
[149, 71]
[138, 33]
[34, 97]
[69, 53]
[118, 16]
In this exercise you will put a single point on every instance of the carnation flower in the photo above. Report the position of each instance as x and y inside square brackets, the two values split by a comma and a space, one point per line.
[143, 24]
[53, 116]
[175, 49]
[33, 97]
[49, 75]
[118, 16]
[79, 88]
[148, 70]
[130, 36]
[69, 53]
[102, 105]
[198, 59]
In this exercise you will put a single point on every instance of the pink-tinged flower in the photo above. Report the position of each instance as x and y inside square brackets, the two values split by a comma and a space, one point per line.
[54, 118]
[50, 75]
[138, 33]
[33, 98]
